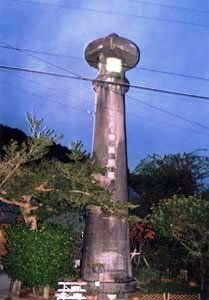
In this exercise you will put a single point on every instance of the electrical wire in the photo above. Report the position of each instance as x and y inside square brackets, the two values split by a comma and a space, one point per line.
[121, 84]
[193, 123]
[82, 78]
[172, 73]
[105, 107]
[162, 110]
[6, 46]
[141, 68]
[188, 100]
[169, 113]
[69, 95]
[138, 100]
[111, 13]
[192, 10]
[38, 58]
[89, 112]
[68, 106]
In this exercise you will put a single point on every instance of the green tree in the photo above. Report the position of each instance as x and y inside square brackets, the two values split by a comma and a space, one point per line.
[186, 219]
[41, 186]
[159, 177]
[15, 159]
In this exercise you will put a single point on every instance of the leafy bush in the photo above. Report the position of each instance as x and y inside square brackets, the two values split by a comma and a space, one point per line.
[39, 258]
[185, 219]
[146, 275]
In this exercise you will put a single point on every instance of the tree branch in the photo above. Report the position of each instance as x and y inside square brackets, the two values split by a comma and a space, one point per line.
[12, 202]
[10, 174]
[81, 192]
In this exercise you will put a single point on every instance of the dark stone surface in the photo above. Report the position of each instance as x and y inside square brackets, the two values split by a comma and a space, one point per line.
[113, 46]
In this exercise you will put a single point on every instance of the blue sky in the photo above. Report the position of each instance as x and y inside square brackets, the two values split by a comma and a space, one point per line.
[179, 47]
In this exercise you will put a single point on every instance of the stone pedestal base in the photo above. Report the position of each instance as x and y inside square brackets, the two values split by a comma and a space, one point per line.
[119, 289]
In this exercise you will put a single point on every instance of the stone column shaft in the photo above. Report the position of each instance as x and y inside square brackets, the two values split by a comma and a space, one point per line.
[106, 255]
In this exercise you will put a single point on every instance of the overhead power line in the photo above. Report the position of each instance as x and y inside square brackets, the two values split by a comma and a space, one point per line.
[192, 10]
[141, 68]
[6, 46]
[152, 106]
[169, 113]
[67, 76]
[187, 100]
[66, 105]
[106, 82]
[25, 52]
[89, 112]
[111, 109]
[112, 13]
[173, 73]
[54, 90]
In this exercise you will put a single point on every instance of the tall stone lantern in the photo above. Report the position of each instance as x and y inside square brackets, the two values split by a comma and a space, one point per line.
[106, 257]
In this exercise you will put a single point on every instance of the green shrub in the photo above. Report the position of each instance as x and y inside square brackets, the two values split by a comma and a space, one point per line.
[39, 258]
[146, 275]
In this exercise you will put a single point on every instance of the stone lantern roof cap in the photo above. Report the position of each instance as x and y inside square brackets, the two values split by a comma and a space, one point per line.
[112, 46]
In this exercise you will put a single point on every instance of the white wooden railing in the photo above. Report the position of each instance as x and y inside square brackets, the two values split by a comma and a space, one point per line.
[71, 290]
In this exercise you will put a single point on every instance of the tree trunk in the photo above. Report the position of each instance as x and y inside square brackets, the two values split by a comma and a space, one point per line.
[31, 220]
[201, 275]
[204, 278]
[34, 291]
[46, 292]
[15, 287]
